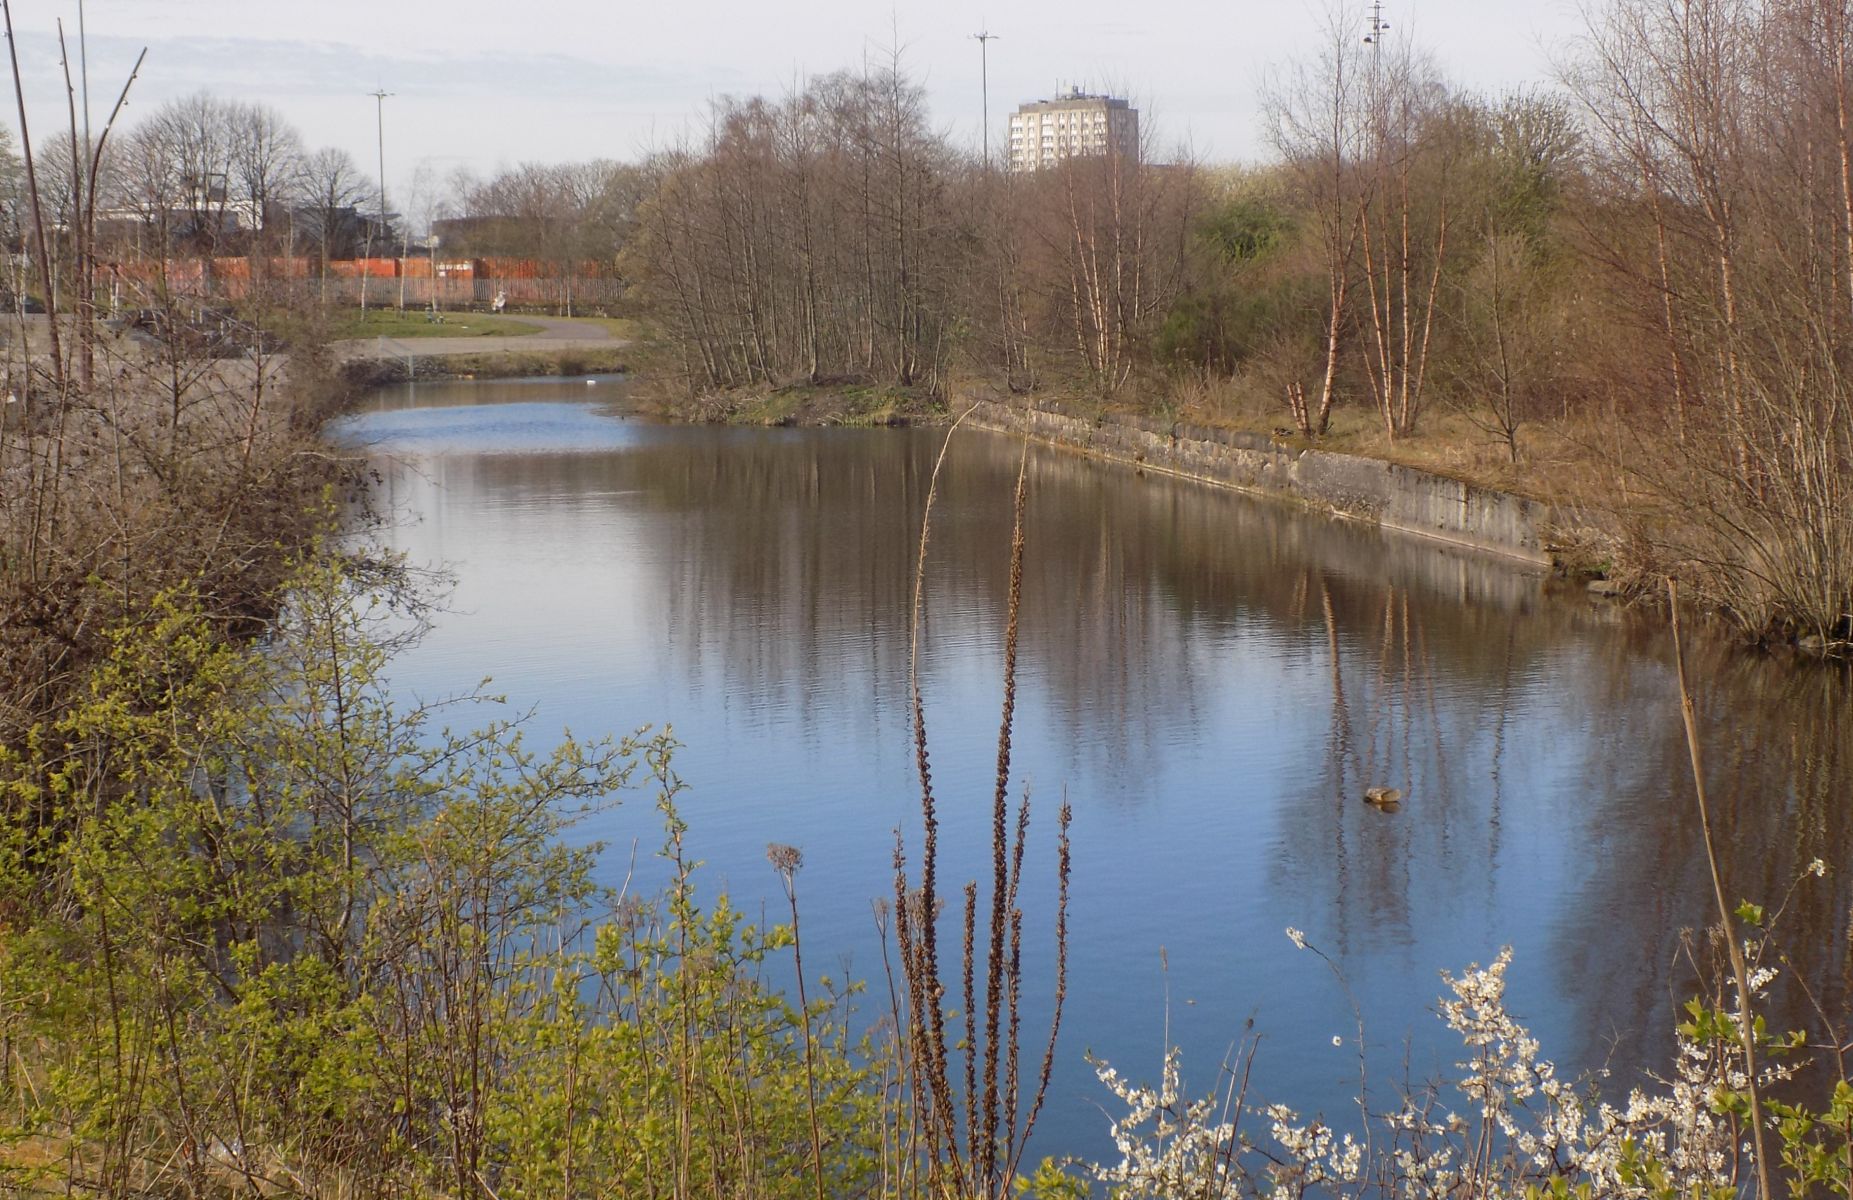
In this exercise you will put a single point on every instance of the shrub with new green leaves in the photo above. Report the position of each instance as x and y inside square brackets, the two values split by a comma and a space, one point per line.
[281, 936]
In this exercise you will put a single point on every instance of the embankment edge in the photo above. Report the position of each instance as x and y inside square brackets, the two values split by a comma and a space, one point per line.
[1392, 496]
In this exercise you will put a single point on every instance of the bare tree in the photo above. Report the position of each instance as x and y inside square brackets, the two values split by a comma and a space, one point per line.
[1318, 122]
[332, 188]
[1510, 318]
[195, 142]
[1404, 221]
[1729, 117]
[266, 171]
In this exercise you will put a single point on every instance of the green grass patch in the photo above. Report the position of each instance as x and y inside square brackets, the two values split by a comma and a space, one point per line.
[829, 404]
[774, 409]
[507, 364]
[413, 323]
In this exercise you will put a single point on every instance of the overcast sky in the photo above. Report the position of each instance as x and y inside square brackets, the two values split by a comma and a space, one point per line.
[487, 83]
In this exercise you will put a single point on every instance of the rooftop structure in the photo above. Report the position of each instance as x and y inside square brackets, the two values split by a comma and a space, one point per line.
[1074, 124]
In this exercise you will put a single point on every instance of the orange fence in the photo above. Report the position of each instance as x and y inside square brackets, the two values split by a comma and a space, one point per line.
[449, 283]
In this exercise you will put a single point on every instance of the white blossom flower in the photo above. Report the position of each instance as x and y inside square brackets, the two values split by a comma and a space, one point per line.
[1536, 1126]
[1168, 1146]
[1296, 937]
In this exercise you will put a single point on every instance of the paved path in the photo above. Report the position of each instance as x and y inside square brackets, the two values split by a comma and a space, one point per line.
[570, 329]
[557, 333]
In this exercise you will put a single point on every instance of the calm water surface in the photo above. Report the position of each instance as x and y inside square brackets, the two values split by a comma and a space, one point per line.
[1211, 681]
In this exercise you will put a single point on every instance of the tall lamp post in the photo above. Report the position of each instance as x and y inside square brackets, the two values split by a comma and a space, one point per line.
[984, 38]
[1374, 39]
[366, 271]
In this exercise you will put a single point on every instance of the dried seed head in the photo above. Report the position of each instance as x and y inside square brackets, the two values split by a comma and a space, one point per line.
[784, 859]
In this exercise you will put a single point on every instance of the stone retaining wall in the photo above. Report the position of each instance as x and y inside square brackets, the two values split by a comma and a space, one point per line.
[1364, 489]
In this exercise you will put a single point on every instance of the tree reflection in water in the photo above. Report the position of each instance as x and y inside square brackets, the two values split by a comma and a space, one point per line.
[1214, 681]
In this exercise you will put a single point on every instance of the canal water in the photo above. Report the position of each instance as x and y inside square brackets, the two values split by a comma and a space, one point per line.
[1211, 681]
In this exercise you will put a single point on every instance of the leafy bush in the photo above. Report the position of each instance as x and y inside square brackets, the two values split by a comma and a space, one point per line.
[277, 935]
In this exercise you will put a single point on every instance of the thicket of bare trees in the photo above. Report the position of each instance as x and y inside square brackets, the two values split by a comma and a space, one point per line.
[127, 470]
[566, 217]
[1431, 226]
[1665, 252]
[810, 238]
[1724, 130]
[834, 235]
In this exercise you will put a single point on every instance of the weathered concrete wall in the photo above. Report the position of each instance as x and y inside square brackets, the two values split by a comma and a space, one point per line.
[1365, 489]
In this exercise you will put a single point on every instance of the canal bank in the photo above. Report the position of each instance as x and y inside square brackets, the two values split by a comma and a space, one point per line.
[561, 346]
[1618, 550]
[362, 372]
[1390, 495]
[1370, 490]
[1355, 487]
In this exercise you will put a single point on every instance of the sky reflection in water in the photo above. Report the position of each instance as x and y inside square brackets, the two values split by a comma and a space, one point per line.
[1212, 681]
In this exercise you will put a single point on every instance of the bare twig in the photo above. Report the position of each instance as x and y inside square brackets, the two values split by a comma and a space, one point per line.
[1739, 970]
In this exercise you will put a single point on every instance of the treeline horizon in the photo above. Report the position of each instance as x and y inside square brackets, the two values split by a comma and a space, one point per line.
[1651, 262]
[1655, 260]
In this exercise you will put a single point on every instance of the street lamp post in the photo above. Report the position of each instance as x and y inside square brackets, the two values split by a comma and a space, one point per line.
[366, 271]
[1374, 39]
[984, 39]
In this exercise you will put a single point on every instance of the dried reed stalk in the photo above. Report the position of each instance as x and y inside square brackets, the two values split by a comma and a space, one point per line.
[1739, 969]
[979, 1156]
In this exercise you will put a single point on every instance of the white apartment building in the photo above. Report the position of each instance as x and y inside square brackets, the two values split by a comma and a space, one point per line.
[1075, 123]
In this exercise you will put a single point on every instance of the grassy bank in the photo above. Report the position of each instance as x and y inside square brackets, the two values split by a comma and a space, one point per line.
[415, 323]
[822, 404]
[662, 388]
[358, 374]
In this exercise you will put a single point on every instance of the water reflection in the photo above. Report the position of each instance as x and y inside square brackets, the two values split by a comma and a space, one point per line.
[1212, 681]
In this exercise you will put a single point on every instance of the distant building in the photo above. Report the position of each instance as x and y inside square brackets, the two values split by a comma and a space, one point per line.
[200, 216]
[1074, 124]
